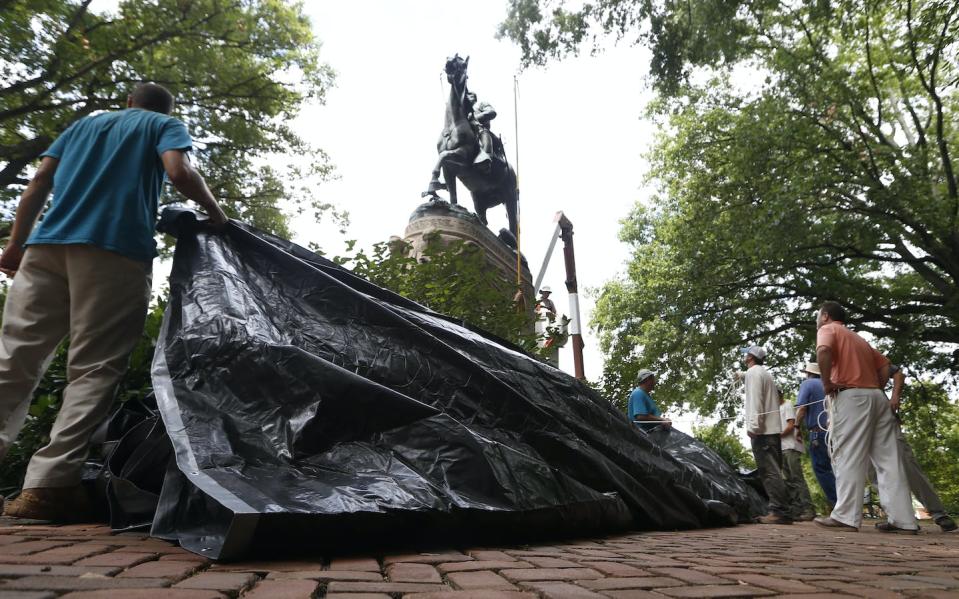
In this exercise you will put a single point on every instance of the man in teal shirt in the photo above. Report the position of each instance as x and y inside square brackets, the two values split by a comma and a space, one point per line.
[85, 273]
[642, 409]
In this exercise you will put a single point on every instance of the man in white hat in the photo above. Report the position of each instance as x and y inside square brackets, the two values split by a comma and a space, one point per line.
[764, 429]
[642, 409]
[811, 410]
[545, 303]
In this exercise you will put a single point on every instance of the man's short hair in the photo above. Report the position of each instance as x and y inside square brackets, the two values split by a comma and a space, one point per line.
[150, 96]
[758, 361]
[834, 310]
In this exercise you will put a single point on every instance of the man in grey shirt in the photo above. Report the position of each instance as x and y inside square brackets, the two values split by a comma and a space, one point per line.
[764, 429]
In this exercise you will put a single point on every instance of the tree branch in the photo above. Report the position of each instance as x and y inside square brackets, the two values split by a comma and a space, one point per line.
[871, 69]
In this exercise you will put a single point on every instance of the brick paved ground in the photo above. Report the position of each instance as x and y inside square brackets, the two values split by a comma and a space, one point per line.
[799, 561]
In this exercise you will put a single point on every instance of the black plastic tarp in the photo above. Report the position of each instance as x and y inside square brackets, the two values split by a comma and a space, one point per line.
[306, 403]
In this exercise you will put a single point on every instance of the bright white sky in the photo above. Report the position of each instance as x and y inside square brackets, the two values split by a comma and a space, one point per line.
[581, 135]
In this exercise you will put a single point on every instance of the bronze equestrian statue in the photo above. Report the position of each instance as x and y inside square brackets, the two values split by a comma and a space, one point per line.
[468, 150]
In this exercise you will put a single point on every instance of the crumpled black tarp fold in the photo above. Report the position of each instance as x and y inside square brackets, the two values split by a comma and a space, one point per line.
[305, 402]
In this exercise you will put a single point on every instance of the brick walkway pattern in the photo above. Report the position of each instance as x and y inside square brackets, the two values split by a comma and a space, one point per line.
[798, 561]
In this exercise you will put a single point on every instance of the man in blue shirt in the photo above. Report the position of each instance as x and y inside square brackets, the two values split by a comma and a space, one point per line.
[85, 273]
[811, 409]
[642, 409]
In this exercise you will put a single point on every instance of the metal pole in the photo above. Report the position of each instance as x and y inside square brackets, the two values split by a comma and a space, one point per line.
[566, 228]
[516, 123]
[519, 256]
[549, 254]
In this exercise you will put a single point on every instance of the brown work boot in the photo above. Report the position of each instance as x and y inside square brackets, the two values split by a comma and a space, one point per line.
[829, 522]
[771, 518]
[55, 504]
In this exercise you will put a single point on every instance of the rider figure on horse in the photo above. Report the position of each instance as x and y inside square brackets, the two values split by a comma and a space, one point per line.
[490, 145]
[469, 151]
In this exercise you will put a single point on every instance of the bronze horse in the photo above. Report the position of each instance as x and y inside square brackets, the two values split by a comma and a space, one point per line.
[458, 146]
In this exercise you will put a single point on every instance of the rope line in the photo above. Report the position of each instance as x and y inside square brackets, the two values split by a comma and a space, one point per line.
[762, 414]
[827, 401]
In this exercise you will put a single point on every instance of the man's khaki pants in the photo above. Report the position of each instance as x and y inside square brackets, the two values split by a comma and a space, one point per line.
[918, 481]
[863, 429]
[97, 298]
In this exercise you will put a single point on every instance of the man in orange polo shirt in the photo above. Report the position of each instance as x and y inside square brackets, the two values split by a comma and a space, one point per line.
[862, 426]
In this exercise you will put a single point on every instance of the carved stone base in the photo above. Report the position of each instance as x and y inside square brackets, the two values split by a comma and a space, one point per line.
[454, 222]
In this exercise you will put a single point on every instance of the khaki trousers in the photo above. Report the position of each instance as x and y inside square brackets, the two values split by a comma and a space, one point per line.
[863, 429]
[918, 481]
[97, 298]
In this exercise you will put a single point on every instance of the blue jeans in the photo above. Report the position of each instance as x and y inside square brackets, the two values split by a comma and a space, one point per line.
[821, 465]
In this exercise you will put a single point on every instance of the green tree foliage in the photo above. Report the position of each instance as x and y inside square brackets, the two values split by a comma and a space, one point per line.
[930, 422]
[718, 438]
[806, 153]
[454, 279]
[240, 70]
[679, 34]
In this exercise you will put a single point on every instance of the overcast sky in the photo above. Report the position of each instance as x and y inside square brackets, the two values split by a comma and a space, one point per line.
[581, 135]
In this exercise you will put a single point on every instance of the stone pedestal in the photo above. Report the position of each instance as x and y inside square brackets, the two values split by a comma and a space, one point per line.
[455, 223]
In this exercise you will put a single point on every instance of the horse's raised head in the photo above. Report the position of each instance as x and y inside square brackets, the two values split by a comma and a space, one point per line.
[456, 69]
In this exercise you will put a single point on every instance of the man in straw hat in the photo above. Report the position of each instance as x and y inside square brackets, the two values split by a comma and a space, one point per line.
[811, 410]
